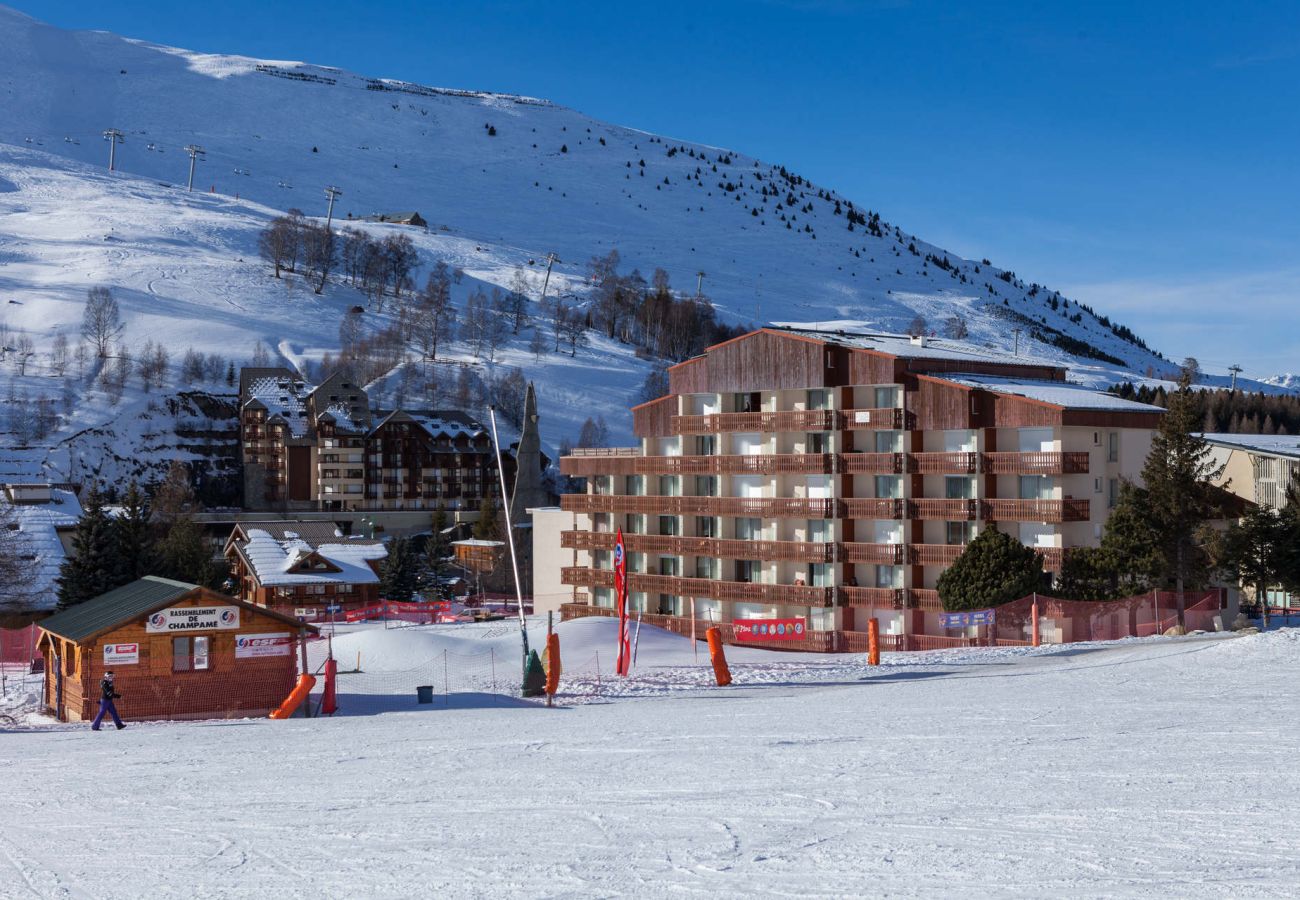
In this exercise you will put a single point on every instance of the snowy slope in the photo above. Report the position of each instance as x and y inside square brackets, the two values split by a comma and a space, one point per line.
[548, 179]
[1136, 769]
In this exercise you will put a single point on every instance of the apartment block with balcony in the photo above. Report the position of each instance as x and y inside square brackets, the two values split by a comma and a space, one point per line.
[833, 476]
[425, 459]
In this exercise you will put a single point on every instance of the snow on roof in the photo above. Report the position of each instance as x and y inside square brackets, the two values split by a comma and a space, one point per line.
[38, 525]
[906, 347]
[450, 423]
[1058, 393]
[23, 465]
[271, 560]
[343, 417]
[1287, 445]
[477, 542]
[282, 397]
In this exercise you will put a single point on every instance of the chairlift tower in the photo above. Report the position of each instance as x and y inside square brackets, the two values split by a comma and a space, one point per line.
[195, 151]
[114, 137]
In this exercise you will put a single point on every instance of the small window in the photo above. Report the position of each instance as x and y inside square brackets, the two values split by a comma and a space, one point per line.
[1096, 485]
[1096, 438]
[1112, 454]
[180, 654]
[190, 654]
[1112, 496]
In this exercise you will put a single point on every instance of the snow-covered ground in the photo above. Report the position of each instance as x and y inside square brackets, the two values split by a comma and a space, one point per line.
[1150, 767]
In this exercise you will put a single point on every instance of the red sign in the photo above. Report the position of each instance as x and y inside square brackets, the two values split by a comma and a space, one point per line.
[770, 629]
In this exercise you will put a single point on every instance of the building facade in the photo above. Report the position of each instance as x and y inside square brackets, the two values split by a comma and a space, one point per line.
[423, 459]
[832, 477]
[304, 565]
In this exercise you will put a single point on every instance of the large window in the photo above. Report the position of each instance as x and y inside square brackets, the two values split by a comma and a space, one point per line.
[670, 486]
[959, 533]
[819, 399]
[886, 397]
[1112, 448]
[749, 529]
[749, 570]
[670, 525]
[190, 654]
[958, 487]
[889, 442]
[706, 526]
[819, 530]
[889, 486]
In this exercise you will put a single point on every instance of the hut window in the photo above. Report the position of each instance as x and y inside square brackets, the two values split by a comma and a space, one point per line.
[190, 654]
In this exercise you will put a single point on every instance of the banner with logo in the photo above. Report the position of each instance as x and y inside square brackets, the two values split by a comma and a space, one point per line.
[968, 619]
[769, 629]
[253, 646]
[121, 654]
[175, 619]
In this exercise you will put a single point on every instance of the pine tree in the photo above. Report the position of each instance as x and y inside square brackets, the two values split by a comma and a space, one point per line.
[134, 535]
[92, 569]
[438, 547]
[183, 554]
[1177, 477]
[1131, 546]
[1251, 551]
[995, 568]
[1085, 575]
[397, 580]
[485, 529]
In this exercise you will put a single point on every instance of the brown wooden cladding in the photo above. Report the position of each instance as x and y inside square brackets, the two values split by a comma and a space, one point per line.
[940, 405]
[759, 361]
[654, 419]
[690, 377]
[1004, 463]
[873, 367]
[787, 420]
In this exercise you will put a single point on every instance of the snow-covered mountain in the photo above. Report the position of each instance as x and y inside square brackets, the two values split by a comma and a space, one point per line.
[502, 181]
[1288, 380]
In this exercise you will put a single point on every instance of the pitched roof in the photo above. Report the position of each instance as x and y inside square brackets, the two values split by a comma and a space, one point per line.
[907, 347]
[38, 535]
[271, 560]
[1064, 394]
[313, 533]
[1282, 445]
[101, 613]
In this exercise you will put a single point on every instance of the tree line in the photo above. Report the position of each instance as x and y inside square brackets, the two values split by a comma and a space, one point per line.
[1226, 411]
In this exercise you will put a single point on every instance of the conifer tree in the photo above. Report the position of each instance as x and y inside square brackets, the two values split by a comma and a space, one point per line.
[995, 568]
[397, 580]
[438, 547]
[1177, 477]
[134, 535]
[1130, 546]
[1251, 552]
[486, 529]
[182, 550]
[92, 569]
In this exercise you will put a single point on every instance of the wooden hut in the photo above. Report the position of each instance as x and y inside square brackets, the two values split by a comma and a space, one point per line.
[176, 650]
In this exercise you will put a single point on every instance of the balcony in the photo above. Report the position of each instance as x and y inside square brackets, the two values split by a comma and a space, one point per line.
[763, 507]
[871, 463]
[943, 463]
[883, 419]
[935, 554]
[751, 592]
[1073, 463]
[1036, 510]
[872, 508]
[738, 464]
[874, 554]
[880, 598]
[789, 420]
[927, 508]
[783, 551]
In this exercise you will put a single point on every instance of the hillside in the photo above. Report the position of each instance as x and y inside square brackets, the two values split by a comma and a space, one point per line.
[502, 181]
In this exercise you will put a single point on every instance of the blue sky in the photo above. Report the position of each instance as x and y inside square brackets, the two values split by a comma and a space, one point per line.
[1138, 157]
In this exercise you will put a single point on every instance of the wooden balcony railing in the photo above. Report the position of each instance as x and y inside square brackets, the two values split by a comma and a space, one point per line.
[935, 554]
[605, 451]
[789, 420]
[752, 592]
[872, 508]
[997, 510]
[783, 551]
[1072, 463]
[762, 507]
[943, 463]
[871, 463]
[886, 419]
[881, 598]
[735, 464]
[877, 554]
[924, 598]
[929, 508]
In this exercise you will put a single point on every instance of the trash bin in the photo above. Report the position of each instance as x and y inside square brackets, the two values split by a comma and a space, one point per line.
[424, 693]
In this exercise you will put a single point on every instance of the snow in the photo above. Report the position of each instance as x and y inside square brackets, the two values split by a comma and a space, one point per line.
[1057, 393]
[1139, 768]
[272, 559]
[1271, 444]
[38, 524]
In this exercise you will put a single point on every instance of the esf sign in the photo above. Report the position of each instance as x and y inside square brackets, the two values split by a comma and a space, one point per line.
[967, 619]
[175, 619]
[253, 646]
[121, 654]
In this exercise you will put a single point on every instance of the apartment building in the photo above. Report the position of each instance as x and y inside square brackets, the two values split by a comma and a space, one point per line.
[831, 477]
[315, 447]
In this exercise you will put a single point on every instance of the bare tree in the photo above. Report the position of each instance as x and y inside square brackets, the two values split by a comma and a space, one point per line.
[537, 344]
[101, 320]
[25, 349]
[496, 325]
[917, 326]
[59, 355]
[261, 357]
[956, 328]
[278, 243]
[517, 300]
[400, 258]
[319, 253]
[433, 318]
[475, 323]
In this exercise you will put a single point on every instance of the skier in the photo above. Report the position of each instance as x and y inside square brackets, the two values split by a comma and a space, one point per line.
[107, 694]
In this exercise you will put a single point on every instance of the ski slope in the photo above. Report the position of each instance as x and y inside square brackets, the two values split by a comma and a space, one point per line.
[1134, 769]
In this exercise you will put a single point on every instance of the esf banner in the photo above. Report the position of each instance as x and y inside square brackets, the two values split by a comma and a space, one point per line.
[967, 619]
[121, 654]
[769, 629]
[193, 618]
[252, 646]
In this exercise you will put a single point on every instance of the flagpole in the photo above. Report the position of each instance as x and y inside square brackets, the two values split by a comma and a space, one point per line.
[510, 534]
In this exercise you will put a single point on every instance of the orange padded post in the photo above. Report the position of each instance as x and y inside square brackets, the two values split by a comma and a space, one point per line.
[873, 642]
[717, 657]
[1034, 616]
[552, 663]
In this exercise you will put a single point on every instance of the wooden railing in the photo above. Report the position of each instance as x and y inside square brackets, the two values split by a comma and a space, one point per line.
[792, 551]
[943, 463]
[1072, 463]
[788, 420]
[998, 510]
[871, 463]
[930, 508]
[605, 451]
[886, 418]
[745, 591]
[733, 464]
[880, 598]
[872, 508]
[935, 554]
[878, 554]
[763, 507]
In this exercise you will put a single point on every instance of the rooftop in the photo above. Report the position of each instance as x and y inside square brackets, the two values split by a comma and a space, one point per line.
[283, 397]
[1064, 394]
[38, 525]
[1284, 445]
[314, 533]
[906, 347]
[99, 614]
[272, 559]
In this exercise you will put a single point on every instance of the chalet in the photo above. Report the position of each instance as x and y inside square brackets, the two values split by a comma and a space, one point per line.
[274, 565]
[44, 515]
[176, 650]
[414, 219]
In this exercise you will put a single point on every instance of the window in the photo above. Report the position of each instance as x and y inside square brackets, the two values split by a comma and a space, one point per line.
[958, 487]
[748, 570]
[1096, 438]
[636, 485]
[669, 525]
[819, 574]
[706, 445]
[636, 524]
[889, 576]
[959, 533]
[706, 485]
[819, 442]
[889, 442]
[1112, 452]
[886, 397]
[819, 399]
[889, 486]
[706, 526]
[749, 529]
[670, 486]
[1096, 485]
[819, 530]
[670, 565]
[190, 654]
[706, 567]
[1112, 496]
[1035, 487]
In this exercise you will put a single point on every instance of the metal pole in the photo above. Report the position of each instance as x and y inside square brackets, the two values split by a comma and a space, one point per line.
[195, 151]
[114, 137]
[510, 532]
[551, 259]
[332, 192]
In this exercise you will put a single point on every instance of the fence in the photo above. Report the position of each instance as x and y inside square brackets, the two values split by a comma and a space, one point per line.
[18, 645]
[1068, 621]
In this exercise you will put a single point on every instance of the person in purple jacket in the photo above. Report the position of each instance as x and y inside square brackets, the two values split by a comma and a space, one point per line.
[107, 694]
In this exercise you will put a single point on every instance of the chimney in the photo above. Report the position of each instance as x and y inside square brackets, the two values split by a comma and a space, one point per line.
[918, 340]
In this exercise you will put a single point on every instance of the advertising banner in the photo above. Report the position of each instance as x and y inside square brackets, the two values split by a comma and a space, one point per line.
[769, 629]
[253, 646]
[175, 619]
[967, 619]
[121, 654]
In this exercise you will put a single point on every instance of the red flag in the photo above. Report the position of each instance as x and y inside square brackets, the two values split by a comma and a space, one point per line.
[620, 591]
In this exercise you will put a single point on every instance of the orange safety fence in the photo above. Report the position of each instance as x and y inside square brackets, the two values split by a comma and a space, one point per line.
[1068, 621]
